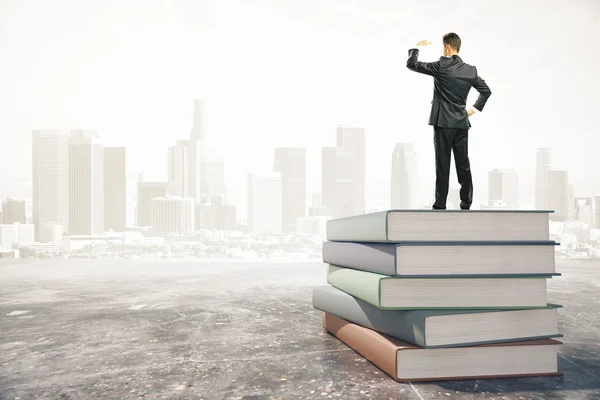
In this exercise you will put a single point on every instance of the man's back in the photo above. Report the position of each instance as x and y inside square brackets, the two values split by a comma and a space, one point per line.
[453, 79]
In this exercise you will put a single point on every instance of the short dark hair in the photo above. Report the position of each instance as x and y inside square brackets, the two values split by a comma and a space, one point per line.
[451, 39]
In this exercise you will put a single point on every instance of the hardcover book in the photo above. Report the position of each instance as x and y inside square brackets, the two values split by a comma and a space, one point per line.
[444, 258]
[441, 328]
[441, 225]
[405, 362]
[395, 292]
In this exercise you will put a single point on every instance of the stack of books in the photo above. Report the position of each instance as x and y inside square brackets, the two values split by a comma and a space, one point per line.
[439, 295]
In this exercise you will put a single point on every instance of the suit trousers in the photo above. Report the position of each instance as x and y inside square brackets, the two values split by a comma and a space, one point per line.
[446, 141]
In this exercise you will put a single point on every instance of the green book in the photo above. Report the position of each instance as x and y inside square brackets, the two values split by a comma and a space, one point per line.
[448, 292]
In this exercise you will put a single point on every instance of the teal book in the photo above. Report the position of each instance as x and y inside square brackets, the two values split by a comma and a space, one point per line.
[408, 293]
[441, 328]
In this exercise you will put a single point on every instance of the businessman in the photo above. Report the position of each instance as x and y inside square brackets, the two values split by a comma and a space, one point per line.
[452, 79]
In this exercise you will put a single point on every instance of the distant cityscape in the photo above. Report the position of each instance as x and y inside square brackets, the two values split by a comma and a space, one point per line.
[79, 200]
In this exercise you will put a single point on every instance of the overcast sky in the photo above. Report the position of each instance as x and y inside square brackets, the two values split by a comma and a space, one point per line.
[285, 73]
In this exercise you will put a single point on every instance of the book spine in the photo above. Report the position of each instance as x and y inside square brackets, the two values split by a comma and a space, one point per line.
[368, 344]
[359, 228]
[407, 326]
[360, 284]
[378, 258]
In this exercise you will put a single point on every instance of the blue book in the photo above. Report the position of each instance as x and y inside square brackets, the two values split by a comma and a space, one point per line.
[441, 328]
[445, 258]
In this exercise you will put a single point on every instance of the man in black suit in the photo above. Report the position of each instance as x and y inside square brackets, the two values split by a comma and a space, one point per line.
[453, 80]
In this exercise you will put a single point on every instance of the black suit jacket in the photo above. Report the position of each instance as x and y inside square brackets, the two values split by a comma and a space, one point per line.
[453, 80]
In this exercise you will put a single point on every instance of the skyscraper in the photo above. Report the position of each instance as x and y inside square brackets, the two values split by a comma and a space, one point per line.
[198, 150]
[343, 183]
[328, 189]
[115, 189]
[264, 203]
[199, 127]
[178, 169]
[351, 143]
[86, 183]
[546, 160]
[193, 171]
[596, 211]
[13, 210]
[146, 191]
[316, 200]
[558, 194]
[215, 213]
[503, 185]
[584, 210]
[290, 162]
[404, 176]
[212, 177]
[11, 234]
[172, 216]
[50, 170]
[570, 203]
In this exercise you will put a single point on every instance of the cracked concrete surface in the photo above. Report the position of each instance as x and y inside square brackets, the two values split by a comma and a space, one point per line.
[155, 329]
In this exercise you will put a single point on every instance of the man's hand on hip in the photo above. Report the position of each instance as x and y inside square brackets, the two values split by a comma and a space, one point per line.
[423, 43]
[470, 112]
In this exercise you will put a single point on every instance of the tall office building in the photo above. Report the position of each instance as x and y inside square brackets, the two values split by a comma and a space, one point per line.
[52, 233]
[115, 189]
[558, 194]
[596, 211]
[584, 210]
[192, 175]
[503, 185]
[86, 183]
[316, 200]
[570, 203]
[216, 214]
[328, 192]
[351, 143]
[178, 169]
[264, 203]
[172, 216]
[15, 233]
[13, 210]
[197, 150]
[290, 162]
[343, 173]
[212, 177]
[146, 191]
[546, 160]
[199, 130]
[50, 170]
[316, 208]
[404, 177]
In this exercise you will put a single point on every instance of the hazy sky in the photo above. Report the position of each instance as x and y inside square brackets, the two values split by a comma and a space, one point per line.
[285, 73]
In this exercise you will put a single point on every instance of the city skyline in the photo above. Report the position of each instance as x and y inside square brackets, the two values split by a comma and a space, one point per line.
[211, 170]
[132, 79]
[178, 168]
[276, 201]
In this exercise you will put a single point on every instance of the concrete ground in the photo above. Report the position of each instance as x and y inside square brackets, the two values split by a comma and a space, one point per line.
[112, 329]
